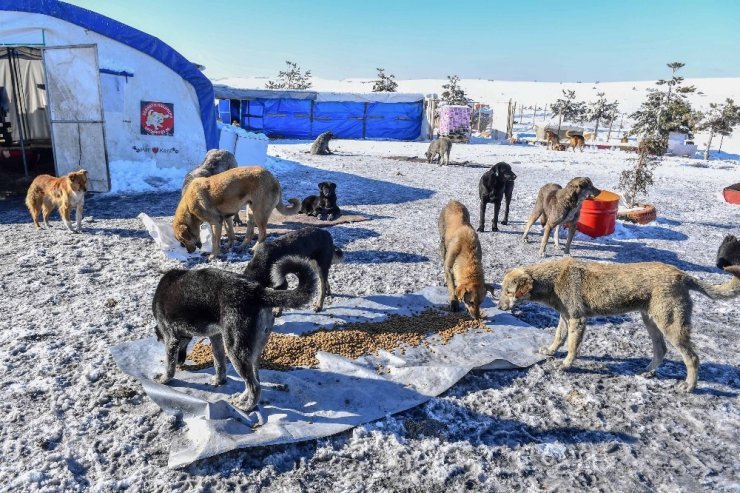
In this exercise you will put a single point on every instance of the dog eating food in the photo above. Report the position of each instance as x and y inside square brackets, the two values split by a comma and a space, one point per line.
[439, 150]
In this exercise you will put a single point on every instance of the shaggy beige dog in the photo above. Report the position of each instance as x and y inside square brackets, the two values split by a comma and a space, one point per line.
[579, 290]
[216, 199]
[557, 205]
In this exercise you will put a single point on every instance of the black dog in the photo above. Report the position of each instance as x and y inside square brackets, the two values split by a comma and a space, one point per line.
[312, 243]
[494, 185]
[729, 252]
[324, 204]
[234, 312]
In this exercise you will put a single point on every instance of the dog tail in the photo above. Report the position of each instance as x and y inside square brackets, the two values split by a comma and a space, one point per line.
[729, 289]
[293, 209]
[338, 257]
[308, 282]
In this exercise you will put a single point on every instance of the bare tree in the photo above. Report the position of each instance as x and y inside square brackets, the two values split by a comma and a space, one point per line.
[720, 120]
[291, 78]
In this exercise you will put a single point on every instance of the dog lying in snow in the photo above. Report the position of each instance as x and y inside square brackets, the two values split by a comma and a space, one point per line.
[557, 205]
[579, 290]
[462, 259]
[324, 204]
[234, 312]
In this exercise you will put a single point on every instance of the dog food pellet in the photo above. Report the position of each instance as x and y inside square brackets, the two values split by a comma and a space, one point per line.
[351, 340]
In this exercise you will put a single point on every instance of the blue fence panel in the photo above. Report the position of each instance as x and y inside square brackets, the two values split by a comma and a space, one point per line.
[344, 119]
[401, 121]
[289, 118]
[252, 114]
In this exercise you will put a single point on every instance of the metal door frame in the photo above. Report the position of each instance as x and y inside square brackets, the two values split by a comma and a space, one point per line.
[100, 102]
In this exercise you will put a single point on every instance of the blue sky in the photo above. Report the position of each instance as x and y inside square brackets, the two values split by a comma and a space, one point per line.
[513, 40]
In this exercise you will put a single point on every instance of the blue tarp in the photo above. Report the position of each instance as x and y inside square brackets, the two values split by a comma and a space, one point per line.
[306, 119]
[134, 38]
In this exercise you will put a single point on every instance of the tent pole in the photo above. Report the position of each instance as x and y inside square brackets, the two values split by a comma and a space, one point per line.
[16, 95]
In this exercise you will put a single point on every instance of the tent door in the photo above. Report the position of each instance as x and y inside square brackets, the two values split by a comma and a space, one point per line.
[76, 112]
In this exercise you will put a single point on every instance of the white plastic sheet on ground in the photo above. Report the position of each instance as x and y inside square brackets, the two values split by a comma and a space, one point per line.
[307, 404]
[164, 236]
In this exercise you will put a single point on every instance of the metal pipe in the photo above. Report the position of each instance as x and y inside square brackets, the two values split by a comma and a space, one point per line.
[16, 96]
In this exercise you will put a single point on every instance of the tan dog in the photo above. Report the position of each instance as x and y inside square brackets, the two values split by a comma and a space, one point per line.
[47, 193]
[552, 139]
[589, 136]
[219, 197]
[578, 290]
[557, 205]
[462, 259]
[575, 141]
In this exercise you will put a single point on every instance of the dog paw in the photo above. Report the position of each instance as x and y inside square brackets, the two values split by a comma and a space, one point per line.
[525, 239]
[162, 378]
[216, 380]
[564, 366]
[504, 222]
[317, 308]
[245, 405]
[494, 228]
[685, 387]
[481, 229]
[648, 374]
[454, 306]
[546, 351]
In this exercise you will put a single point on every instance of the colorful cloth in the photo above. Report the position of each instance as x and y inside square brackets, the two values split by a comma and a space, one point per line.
[454, 119]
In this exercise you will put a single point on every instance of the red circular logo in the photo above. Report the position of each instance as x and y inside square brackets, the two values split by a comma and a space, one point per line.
[157, 118]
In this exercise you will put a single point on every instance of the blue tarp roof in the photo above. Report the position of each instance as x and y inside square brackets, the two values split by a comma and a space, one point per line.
[136, 39]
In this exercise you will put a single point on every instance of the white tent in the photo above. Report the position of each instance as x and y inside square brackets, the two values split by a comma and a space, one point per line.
[107, 93]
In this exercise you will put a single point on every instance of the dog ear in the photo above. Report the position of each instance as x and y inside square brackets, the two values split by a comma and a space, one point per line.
[495, 171]
[322, 185]
[460, 293]
[523, 286]
[182, 233]
[332, 185]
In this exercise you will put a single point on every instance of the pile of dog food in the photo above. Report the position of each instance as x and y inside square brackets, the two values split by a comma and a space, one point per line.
[352, 340]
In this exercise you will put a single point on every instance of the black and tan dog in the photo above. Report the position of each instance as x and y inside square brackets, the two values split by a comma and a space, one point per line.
[47, 193]
[320, 146]
[323, 204]
[496, 184]
[217, 198]
[233, 311]
[312, 243]
[557, 205]
[578, 290]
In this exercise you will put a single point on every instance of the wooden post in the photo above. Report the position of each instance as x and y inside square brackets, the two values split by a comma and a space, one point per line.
[609, 133]
[620, 126]
[534, 115]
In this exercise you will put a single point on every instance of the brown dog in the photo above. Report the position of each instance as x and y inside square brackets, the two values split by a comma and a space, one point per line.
[579, 290]
[557, 205]
[576, 141]
[462, 258]
[47, 193]
[219, 197]
[552, 139]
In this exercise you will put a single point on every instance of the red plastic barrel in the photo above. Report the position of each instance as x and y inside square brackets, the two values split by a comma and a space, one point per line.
[599, 215]
[732, 194]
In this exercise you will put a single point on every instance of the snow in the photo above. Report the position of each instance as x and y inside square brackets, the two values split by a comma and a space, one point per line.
[144, 176]
[69, 297]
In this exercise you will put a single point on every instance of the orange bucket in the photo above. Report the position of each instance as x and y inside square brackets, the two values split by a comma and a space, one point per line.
[599, 215]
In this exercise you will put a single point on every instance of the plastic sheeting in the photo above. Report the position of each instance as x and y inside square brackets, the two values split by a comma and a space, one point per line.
[306, 404]
[134, 38]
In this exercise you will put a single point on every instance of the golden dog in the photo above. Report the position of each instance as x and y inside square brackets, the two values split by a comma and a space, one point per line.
[47, 193]
[576, 141]
[552, 139]
[462, 258]
[218, 198]
[578, 290]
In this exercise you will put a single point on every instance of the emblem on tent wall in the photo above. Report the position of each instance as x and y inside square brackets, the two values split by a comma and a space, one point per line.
[157, 118]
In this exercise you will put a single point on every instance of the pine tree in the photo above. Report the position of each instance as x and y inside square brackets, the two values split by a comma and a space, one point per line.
[599, 111]
[385, 83]
[292, 78]
[453, 93]
[720, 120]
[665, 112]
[568, 109]
[637, 180]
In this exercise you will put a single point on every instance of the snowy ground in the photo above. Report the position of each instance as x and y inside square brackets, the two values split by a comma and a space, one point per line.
[72, 421]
